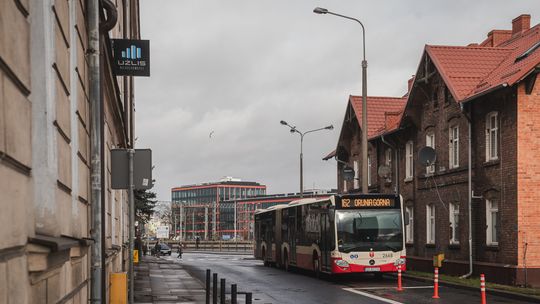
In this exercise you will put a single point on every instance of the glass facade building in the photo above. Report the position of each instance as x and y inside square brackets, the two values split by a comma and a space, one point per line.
[197, 209]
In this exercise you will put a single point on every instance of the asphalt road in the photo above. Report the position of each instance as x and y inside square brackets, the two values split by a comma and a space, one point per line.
[275, 286]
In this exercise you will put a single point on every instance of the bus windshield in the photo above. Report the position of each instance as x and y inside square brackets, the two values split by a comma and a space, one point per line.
[366, 230]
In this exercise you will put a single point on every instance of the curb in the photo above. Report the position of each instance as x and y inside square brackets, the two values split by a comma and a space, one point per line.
[498, 292]
[220, 252]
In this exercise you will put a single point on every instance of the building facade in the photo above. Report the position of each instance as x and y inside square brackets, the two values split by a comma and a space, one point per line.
[45, 149]
[196, 209]
[477, 106]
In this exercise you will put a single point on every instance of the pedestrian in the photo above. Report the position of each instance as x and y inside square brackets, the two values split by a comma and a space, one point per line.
[157, 249]
[197, 240]
[179, 250]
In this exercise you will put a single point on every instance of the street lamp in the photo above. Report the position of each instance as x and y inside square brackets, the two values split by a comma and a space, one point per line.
[295, 130]
[322, 11]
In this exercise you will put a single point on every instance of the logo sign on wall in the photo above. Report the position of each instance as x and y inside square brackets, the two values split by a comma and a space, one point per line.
[131, 57]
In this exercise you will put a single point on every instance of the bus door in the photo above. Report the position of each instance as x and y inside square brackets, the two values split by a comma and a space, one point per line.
[325, 241]
[292, 234]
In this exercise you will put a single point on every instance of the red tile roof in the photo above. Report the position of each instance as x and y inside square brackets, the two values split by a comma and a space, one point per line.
[330, 155]
[384, 113]
[472, 70]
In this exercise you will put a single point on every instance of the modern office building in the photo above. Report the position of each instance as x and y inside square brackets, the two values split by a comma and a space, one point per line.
[196, 208]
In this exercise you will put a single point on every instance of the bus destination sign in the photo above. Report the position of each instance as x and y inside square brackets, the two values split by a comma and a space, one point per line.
[367, 202]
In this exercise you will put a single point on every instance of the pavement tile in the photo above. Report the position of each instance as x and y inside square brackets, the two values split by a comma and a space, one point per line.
[163, 281]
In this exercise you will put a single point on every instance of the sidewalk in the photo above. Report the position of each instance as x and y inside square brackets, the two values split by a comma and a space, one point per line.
[163, 281]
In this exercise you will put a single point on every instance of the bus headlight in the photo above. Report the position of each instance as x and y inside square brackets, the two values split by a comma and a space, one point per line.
[342, 263]
[400, 261]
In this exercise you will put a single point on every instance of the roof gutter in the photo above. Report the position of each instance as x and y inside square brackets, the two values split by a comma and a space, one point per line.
[495, 88]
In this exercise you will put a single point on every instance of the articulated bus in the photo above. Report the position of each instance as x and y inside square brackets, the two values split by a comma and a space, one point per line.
[335, 235]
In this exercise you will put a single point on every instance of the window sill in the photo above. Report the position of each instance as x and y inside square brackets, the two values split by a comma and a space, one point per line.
[454, 246]
[492, 247]
[490, 163]
[408, 180]
[430, 245]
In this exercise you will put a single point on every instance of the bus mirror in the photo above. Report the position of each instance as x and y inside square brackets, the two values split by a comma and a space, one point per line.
[406, 218]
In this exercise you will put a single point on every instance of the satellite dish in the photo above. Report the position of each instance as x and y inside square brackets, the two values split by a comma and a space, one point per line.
[427, 156]
[384, 171]
[348, 173]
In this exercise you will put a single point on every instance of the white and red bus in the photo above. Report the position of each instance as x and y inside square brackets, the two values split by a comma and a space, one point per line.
[339, 234]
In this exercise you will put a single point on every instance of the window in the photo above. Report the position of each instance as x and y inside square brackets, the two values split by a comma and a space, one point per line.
[435, 97]
[430, 142]
[369, 170]
[344, 186]
[409, 232]
[409, 160]
[388, 157]
[492, 134]
[356, 175]
[454, 147]
[454, 223]
[492, 212]
[430, 222]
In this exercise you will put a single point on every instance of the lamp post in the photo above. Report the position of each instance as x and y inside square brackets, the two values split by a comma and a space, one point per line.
[302, 134]
[322, 11]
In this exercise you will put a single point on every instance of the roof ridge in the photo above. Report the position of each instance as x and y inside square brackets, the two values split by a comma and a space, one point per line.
[378, 97]
[468, 47]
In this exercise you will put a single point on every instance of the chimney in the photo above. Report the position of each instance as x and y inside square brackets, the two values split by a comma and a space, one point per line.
[496, 37]
[410, 83]
[521, 24]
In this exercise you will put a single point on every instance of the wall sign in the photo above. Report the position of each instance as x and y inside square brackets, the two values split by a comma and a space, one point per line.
[131, 57]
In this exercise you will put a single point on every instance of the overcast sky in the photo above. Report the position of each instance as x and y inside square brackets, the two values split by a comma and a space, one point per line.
[238, 67]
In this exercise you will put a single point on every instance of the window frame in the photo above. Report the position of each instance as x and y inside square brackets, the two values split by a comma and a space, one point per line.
[453, 147]
[409, 228]
[356, 182]
[489, 137]
[431, 224]
[369, 170]
[409, 160]
[492, 239]
[453, 214]
[430, 142]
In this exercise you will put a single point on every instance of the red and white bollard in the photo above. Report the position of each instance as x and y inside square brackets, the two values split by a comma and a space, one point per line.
[483, 288]
[399, 287]
[436, 284]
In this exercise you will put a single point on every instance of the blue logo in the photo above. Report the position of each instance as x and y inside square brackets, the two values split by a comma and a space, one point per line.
[132, 52]
[354, 256]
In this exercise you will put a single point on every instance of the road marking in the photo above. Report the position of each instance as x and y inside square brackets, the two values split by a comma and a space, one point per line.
[390, 287]
[365, 294]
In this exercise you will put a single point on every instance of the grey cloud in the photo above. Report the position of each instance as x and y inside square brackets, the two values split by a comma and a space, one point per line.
[238, 67]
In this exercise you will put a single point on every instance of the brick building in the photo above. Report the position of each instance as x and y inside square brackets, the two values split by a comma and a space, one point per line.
[45, 162]
[490, 88]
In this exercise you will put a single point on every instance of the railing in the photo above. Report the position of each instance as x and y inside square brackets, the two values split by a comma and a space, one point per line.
[232, 246]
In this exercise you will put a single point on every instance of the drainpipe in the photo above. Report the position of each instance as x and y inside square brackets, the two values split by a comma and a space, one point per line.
[469, 122]
[396, 167]
[95, 150]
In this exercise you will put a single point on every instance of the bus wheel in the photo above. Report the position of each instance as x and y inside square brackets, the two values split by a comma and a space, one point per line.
[316, 267]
